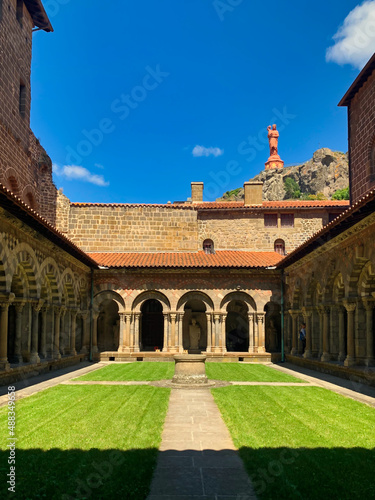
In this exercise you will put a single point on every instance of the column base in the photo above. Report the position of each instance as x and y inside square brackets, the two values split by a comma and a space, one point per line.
[325, 357]
[294, 351]
[261, 349]
[43, 355]
[307, 354]
[341, 357]
[95, 349]
[18, 359]
[136, 349]
[124, 349]
[34, 358]
[4, 365]
[349, 361]
[73, 352]
[217, 350]
[56, 355]
[84, 350]
[370, 362]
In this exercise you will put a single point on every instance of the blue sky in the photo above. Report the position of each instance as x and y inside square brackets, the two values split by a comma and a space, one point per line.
[134, 100]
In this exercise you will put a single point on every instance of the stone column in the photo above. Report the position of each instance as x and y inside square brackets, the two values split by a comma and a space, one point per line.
[180, 318]
[18, 338]
[128, 320]
[369, 306]
[62, 330]
[294, 317]
[341, 313]
[209, 332]
[137, 317]
[251, 332]
[223, 340]
[307, 314]
[123, 344]
[166, 336]
[350, 357]
[85, 333]
[73, 329]
[43, 337]
[320, 310]
[173, 317]
[4, 364]
[261, 341]
[56, 342]
[95, 316]
[34, 358]
[217, 332]
[326, 317]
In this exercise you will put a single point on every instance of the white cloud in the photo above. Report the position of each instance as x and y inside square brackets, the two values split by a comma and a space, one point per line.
[99, 165]
[202, 151]
[355, 39]
[74, 172]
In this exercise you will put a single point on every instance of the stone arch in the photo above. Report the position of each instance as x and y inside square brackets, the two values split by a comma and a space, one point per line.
[151, 294]
[20, 284]
[28, 196]
[366, 281]
[67, 287]
[237, 324]
[338, 289]
[195, 295]
[25, 257]
[240, 297]
[11, 181]
[49, 276]
[109, 295]
[354, 277]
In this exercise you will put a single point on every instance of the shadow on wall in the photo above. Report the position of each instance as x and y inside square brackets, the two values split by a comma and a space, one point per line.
[282, 473]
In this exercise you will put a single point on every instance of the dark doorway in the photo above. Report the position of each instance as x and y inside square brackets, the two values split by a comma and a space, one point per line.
[237, 327]
[152, 326]
[108, 326]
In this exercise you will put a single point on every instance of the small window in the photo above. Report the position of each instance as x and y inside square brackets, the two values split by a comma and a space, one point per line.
[287, 220]
[19, 11]
[208, 247]
[22, 100]
[280, 247]
[270, 220]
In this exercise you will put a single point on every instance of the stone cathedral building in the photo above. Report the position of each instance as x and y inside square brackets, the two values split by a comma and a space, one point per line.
[126, 281]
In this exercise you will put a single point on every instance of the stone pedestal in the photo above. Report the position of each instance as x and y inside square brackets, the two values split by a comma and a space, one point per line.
[190, 369]
[274, 161]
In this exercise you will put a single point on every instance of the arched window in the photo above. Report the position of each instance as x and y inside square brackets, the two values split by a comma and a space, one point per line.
[13, 185]
[30, 200]
[208, 247]
[280, 247]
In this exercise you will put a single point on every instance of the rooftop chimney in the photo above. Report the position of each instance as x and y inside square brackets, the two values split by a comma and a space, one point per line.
[197, 192]
[253, 193]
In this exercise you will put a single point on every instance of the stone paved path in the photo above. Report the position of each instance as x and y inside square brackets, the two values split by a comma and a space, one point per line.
[197, 458]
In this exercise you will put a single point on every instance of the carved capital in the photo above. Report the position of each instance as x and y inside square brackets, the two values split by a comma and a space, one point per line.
[349, 306]
[368, 304]
[306, 312]
[260, 318]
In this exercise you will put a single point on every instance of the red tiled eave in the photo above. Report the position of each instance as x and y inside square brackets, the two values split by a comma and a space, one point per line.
[228, 205]
[222, 258]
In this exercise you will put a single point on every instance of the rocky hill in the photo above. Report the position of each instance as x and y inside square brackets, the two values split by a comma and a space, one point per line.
[323, 175]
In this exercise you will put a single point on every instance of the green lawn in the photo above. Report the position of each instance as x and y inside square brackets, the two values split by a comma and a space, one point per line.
[132, 371]
[302, 442]
[164, 371]
[237, 372]
[86, 441]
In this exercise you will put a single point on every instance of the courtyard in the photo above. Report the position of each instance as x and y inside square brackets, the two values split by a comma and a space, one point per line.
[105, 430]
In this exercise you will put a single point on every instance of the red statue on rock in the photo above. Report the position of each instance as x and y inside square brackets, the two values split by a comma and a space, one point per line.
[274, 161]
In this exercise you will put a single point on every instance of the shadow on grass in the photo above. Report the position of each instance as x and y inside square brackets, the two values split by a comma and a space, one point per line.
[317, 473]
[79, 474]
[282, 473]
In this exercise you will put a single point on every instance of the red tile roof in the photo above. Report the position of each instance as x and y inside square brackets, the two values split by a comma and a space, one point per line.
[222, 258]
[228, 205]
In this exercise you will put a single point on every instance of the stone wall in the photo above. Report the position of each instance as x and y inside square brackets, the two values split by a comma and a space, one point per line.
[243, 231]
[121, 228]
[362, 140]
[25, 167]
